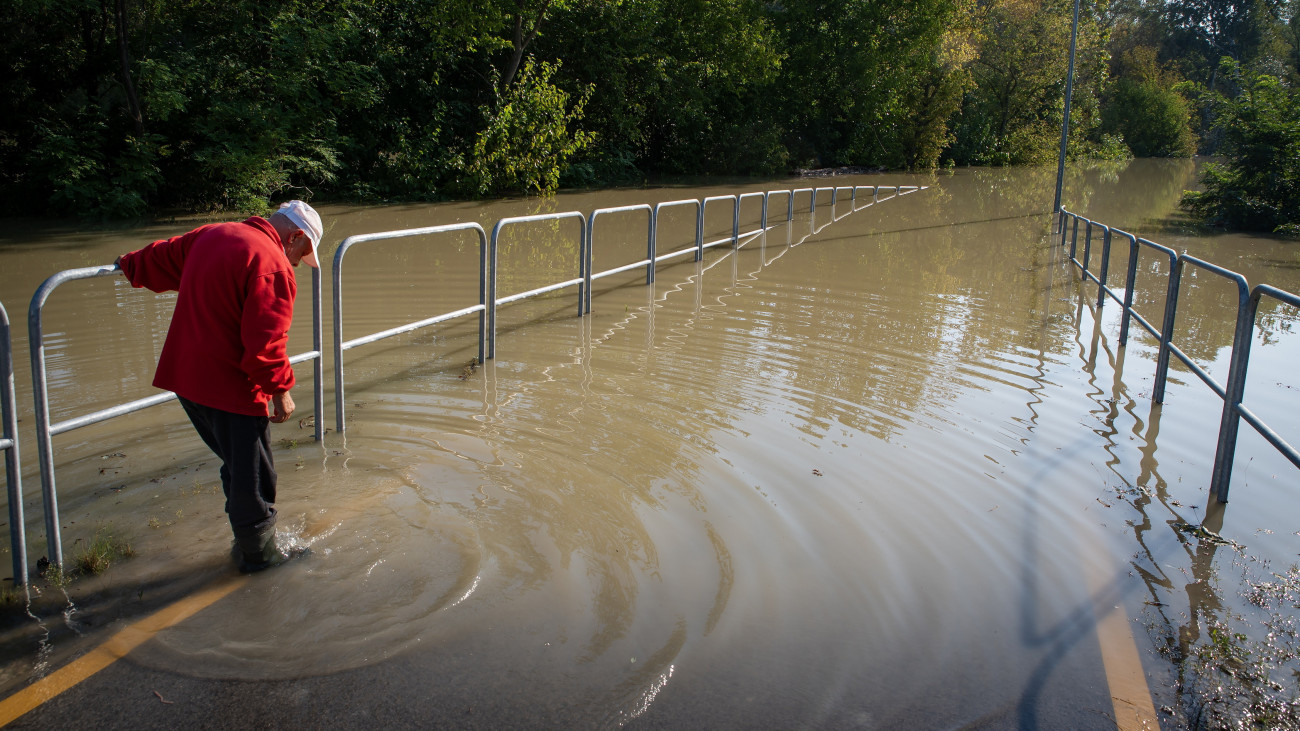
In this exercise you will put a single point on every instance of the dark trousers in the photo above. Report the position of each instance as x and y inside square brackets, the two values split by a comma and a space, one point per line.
[243, 443]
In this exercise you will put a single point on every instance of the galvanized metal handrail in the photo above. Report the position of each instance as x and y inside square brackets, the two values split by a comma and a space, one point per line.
[1233, 392]
[1233, 408]
[735, 217]
[9, 443]
[583, 280]
[648, 262]
[45, 431]
[488, 273]
[655, 256]
[1164, 335]
[1243, 294]
[340, 345]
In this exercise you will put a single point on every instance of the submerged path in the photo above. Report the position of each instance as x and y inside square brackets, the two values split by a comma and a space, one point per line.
[877, 470]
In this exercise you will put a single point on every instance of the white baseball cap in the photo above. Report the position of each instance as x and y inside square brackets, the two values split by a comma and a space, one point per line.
[306, 218]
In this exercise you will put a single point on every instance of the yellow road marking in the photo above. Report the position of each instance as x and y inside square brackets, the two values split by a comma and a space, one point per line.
[112, 650]
[1129, 693]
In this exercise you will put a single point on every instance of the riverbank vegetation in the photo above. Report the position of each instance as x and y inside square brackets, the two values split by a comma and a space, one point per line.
[121, 108]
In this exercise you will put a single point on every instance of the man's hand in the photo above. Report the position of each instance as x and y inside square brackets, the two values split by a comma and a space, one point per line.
[283, 406]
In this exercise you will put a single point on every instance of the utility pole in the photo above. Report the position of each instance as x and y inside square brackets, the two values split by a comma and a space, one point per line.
[1065, 123]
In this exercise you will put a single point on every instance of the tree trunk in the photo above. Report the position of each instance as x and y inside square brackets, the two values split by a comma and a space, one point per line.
[132, 100]
[521, 43]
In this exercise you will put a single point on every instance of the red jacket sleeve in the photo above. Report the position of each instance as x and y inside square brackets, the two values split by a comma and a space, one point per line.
[268, 313]
[158, 266]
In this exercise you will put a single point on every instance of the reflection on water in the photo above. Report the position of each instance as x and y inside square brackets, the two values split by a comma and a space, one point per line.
[838, 477]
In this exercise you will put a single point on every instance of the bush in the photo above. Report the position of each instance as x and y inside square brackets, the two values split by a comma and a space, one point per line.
[1257, 188]
[528, 141]
[1154, 120]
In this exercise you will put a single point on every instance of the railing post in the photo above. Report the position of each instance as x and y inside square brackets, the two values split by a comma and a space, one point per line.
[1074, 240]
[337, 273]
[13, 467]
[318, 345]
[584, 243]
[1130, 281]
[735, 223]
[483, 275]
[1167, 330]
[699, 231]
[652, 246]
[1221, 478]
[1105, 266]
[492, 291]
[1087, 247]
[585, 262]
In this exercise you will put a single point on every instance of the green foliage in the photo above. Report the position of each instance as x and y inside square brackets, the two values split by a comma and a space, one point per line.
[1258, 186]
[854, 80]
[936, 95]
[1186, 40]
[1014, 113]
[104, 549]
[678, 86]
[1154, 120]
[1106, 148]
[229, 106]
[1148, 106]
[528, 139]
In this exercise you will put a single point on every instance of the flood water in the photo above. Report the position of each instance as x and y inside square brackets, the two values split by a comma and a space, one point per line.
[876, 468]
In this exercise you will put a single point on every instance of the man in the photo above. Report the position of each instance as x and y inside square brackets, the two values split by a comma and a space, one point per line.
[225, 357]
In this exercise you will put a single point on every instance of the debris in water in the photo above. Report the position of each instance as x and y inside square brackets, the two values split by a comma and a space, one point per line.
[1207, 535]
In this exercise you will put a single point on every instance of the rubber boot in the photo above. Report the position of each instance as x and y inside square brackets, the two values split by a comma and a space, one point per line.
[258, 551]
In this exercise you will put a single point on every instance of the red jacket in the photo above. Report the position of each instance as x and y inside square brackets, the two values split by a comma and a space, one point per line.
[226, 344]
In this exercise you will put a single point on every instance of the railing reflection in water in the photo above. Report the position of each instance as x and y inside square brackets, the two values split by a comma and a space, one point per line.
[1233, 392]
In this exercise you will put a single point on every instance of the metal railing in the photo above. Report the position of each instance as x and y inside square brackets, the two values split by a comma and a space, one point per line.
[9, 443]
[340, 345]
[583, 281]
[1233, 393]
[45, 431]
[486, 309]
[489, 270]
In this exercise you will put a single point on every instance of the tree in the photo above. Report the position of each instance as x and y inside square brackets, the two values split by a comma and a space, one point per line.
[528, 139]
[1145, 108]
[1258, 186]
[1014, 113]
[847, 86]
[678, 86]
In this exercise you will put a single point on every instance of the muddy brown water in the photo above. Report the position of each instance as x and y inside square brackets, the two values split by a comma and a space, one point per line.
[853, 473]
